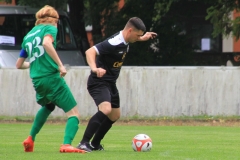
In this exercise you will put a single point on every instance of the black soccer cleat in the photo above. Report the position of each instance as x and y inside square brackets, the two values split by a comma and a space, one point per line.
[85, 146]
[98, 148]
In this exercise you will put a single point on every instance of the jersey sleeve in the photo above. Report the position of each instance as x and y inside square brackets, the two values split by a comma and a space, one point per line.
[51, 30]
[104, 47]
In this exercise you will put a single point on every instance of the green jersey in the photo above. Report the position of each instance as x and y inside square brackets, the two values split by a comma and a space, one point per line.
[41, 64]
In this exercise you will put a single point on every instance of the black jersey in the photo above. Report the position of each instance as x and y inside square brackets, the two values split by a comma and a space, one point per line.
[111, 54]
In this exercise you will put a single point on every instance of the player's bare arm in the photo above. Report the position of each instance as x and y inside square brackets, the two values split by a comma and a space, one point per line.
[47, 44]
[91, 60]
[147, 36]
[21, 64]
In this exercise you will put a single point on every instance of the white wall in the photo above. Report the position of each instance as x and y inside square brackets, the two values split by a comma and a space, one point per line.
[144, 91]
[227, 42]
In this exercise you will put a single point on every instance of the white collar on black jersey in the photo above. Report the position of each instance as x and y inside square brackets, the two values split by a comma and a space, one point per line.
[121, 35]
[118, 39]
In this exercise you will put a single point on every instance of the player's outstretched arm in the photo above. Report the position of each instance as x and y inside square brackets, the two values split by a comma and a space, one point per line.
[147, 36]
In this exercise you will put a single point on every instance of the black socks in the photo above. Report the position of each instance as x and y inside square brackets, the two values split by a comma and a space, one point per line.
[93, 126]
[103, 129]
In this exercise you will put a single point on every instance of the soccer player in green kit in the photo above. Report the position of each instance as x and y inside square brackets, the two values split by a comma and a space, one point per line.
[47, 72]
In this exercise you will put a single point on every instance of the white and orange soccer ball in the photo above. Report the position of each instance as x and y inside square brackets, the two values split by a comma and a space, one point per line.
[141, 143]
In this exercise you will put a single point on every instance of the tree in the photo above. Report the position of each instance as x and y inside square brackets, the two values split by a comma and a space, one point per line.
[106, 17]
[58, 4]
[219, 14]
[180, 29]
[98, 14]
[173, 20]
[169, 18]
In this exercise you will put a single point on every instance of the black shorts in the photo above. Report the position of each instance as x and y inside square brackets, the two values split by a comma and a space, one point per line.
[103, 91]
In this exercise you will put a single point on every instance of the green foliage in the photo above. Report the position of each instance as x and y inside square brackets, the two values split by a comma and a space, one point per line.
[97, 13]
[161, 7]
[7, 1]
[168, 18]
[220, 15]
[58, 4]
[36, 3]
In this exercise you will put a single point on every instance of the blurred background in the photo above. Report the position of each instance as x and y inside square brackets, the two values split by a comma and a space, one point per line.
[190, 32]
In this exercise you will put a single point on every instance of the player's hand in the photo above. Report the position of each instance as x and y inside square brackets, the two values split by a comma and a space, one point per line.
[99, 71]
[62, 71]
[148, 35]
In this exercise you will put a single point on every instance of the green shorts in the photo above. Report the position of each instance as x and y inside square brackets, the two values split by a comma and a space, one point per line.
[54, 89]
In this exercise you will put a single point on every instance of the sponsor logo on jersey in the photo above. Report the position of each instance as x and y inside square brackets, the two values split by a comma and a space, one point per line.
[124, 55]
[117, 64]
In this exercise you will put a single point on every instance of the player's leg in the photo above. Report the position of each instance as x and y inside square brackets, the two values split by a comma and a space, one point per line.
[102, 98]
[113, 116]
[93, 125]
[65, 100]
[38, 122]
[104, 128]
[71, 129]
[41, 88]
[41, 118]
[96, 120]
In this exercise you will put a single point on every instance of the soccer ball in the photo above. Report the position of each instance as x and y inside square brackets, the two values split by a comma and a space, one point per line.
[141, 143]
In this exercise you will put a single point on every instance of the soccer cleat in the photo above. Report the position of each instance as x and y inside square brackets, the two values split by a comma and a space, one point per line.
[85, 146]
[67, 148]
[28, 144]
[98, 148]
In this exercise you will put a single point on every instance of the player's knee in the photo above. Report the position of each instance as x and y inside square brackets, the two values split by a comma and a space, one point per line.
[50, 106]
[105, 107]
[78, 116]
[115, 118]
[73, 113]
[106, 110]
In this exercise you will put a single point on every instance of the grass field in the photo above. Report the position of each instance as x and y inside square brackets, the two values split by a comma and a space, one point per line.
[169, 143]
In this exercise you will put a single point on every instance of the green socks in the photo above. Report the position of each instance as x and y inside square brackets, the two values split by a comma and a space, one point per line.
[41, 117]
[71, 129]
[39, 121]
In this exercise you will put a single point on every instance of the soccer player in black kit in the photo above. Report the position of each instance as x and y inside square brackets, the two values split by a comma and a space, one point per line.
[105, 60]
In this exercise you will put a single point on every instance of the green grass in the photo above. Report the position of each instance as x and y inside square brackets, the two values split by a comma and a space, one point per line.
[169, 143]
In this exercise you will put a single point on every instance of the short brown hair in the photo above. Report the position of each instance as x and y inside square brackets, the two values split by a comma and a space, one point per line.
[136, 23]
[47, 14]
